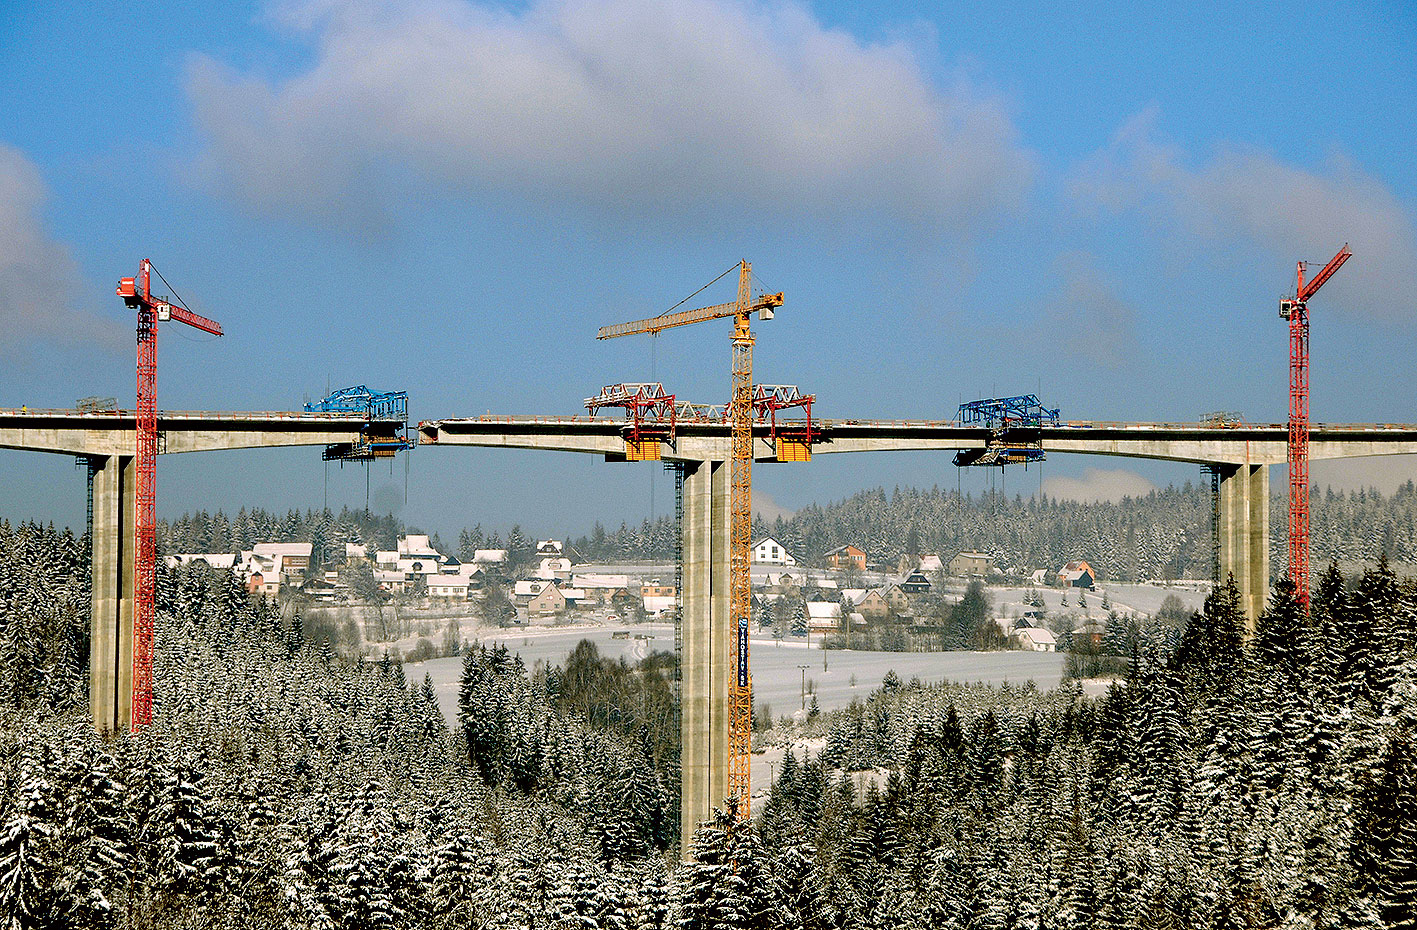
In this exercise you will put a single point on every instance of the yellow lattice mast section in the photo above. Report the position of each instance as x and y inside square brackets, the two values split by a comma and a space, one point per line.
[740, 416]
[740, 540]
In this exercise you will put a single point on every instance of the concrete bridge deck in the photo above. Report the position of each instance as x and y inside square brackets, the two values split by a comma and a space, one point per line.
[69, 432]
[1249, 444]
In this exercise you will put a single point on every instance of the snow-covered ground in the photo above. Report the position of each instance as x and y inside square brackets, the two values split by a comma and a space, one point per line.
[777, 677]
[1143, 598]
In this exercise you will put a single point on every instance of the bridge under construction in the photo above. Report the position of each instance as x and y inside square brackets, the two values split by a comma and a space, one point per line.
[713, 450]
[1241, 454]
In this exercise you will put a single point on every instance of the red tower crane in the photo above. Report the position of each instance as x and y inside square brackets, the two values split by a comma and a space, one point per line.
[137, 293]
[1296, 310]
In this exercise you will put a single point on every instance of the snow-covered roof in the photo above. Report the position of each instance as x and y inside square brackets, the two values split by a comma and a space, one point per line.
[447, 581]
[823, 610]
[1038, 635]
[489, 556]
[214, 559]
[601, 581]
[296, 549]
[931, 563]
[528, 587]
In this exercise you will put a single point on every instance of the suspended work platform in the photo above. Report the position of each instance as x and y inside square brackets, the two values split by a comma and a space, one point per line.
[1015, 425]
[375, 441]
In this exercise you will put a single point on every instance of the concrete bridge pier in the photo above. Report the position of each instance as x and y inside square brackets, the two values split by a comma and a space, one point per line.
[706, 643]
[1244, 534]
[115, 483]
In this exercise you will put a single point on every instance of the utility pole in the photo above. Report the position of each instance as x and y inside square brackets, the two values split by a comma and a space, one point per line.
[804, 684]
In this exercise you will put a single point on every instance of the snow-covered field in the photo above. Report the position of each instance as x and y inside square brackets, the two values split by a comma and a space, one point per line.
[777, 678]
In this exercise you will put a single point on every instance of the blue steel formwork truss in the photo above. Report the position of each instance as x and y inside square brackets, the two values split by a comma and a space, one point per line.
[1014, 424]
[372, 405]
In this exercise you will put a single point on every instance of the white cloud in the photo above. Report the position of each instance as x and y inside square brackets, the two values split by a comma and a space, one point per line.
[766, 508]
[1384, 472]
[1098, 484]
[1247, 194]
[1088, 318]
[643, 106]
[38, 278]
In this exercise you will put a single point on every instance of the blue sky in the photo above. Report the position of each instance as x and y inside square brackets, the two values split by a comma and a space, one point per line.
[1098, 202]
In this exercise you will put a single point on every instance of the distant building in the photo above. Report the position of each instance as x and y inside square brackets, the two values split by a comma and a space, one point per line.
[1036, 639]
[554, 566]
[489, 556]
[452, 587]
[1078, 574]
[846, 557]
[823, 617]
[871, 605]
[550, 547]
[971, 564]
[916, 583]
[226, 560]
[895, 597]
[931, 563]
[769, 551]
[603, 590]
[549, 600]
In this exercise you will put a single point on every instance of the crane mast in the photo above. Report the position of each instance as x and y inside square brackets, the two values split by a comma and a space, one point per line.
[740, 503]
[137, 293]
[1296, 311]
[741, 411]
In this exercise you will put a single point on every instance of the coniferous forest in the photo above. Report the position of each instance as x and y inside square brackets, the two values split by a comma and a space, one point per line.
[1234, 782]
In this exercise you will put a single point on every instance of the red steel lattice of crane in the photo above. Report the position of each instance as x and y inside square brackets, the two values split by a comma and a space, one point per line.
[137, 293]
[1296, 311]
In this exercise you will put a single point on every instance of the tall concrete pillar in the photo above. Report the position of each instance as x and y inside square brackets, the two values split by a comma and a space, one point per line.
[111, 598]
[704, 669]
[1244, 534]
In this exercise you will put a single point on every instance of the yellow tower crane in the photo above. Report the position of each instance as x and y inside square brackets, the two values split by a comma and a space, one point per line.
[740, 417]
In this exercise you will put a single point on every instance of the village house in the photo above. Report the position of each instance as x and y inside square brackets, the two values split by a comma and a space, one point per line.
[823, 617]
[452, 587]
[844, 558]
[603, 590]
[871, 605]
[971, 564]
[916, 583]
[226, 560]
[896, 598]
[658, 598]
[769, 551]
[547, 601]
[1036, 639]
[269, 566]
[553, 566]
[1078, 574]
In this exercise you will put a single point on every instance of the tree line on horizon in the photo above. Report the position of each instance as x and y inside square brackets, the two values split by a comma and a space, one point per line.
[1164, 534]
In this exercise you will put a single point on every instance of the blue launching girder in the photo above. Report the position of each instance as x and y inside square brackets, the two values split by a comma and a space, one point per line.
[359, 399]
[1013, 423]
[372, 405]
[1003, 412]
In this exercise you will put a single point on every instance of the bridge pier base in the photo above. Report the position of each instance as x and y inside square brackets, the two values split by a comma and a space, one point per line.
[1244, 534]
[111, 601]
[706, 643]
